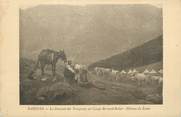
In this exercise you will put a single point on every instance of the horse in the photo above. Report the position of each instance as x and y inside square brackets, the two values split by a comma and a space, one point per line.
[48, 57]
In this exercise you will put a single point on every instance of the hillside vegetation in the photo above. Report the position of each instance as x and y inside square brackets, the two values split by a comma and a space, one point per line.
[148, 53]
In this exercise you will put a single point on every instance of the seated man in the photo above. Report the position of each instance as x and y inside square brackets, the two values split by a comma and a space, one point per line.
[81, 73]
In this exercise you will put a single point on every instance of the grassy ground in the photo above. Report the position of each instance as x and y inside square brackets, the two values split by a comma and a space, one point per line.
[100, 90]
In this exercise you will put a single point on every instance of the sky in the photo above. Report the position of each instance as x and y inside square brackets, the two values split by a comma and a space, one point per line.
[33, 5]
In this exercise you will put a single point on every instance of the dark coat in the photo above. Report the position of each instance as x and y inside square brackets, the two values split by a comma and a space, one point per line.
[69, 75]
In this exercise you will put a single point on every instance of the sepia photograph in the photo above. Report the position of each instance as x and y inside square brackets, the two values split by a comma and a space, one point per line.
[92, 54]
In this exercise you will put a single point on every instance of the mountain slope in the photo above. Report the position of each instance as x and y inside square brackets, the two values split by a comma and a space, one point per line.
[148, 53]
[87, 33]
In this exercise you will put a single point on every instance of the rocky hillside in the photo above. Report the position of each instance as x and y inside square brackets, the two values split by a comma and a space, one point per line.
[148, 53]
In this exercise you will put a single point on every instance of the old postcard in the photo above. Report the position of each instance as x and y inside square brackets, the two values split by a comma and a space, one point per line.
[93, 58]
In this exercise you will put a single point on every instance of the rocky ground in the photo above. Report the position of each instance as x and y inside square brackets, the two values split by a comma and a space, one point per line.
[48, 90]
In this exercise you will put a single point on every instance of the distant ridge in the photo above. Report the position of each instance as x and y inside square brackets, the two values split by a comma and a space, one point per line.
[145, 54]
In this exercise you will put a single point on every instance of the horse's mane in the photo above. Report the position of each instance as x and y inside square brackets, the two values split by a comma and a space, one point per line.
[49, 50]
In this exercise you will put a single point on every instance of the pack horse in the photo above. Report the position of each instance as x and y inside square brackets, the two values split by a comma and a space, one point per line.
[48, 57]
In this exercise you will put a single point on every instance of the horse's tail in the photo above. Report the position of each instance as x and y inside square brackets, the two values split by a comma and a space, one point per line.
[37, 64]
[34, 69]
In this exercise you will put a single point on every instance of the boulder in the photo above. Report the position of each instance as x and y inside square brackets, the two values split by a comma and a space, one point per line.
[59, 89]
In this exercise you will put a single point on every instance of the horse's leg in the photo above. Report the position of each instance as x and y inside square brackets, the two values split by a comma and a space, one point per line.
[53, 69]
[30, 76]
[42, 68]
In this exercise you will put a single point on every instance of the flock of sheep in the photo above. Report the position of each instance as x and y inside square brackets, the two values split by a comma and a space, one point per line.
[145, 77]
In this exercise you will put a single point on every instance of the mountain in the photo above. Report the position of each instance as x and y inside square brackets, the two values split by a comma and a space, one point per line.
[146, 54]
[87, 33]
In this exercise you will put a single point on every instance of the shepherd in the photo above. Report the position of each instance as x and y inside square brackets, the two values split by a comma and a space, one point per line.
[69, 72]
[48, 57]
